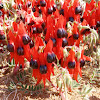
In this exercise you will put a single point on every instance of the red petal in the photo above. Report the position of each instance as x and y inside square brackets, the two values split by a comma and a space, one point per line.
[37, 43]
[41, 42]
[21, 30]
[72, 55]
[49, 46]
[35, 53]
[61, 22]
[11, 36]
[44, 80]
[15, 27]
[87, 58]
[42, 59]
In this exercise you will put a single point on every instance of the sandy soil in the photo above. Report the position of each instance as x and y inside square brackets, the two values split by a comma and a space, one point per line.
[50, 93]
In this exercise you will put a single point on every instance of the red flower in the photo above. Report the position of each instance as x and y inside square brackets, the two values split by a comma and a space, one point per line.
[50, 28]
[74, 65]
[79, 64]
[90, 14]
[75, 35]
[34, 26]
[44, 69]
[15, 26]
[58, 50]
[2, 37]
[60, 33]
[38, 42]
[18, 47]
[69, 62]
[69, 10]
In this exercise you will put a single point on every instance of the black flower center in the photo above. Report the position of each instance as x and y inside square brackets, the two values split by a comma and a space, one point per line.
[71, 64]
[81, 19]
[64, 42]
[40, 11]
[50, 10]
[43, 69]
[42, 3]
[20, 51]
[1, 6]
[78, 10]
[10, 47]
[31, 44]
[0, 13]
[61, 12]
[61, 33]
[2, 36]
[82, 63]
[33, 9]
[43, 25]
[34, 64]
[39, 29]
[26, 39]
[54, 41]
[64, 33]
[31, 23]
[51, 57]
[34, 29]
[54, 8]
[45, 30]
[28, 4]
[84, 31]
[20, 66]
[98, 24]
[71, 19]
[75, 36]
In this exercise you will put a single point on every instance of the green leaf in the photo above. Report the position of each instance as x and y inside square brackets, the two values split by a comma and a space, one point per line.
[26, 92]
[37, 87]
[12, 62]
[17, 78]
[47, 89]
[88, 90]
[76, 85]
[29, 70]
[9, 62]
[12, 83]
[22, 89]
[24, 72]
[19, 83]
[25, 86]
[22, 86]
[32, 88]
[21, 75]
[29, 88]
[92, 82]
[10, 88]
[40, 87]
[87, 1]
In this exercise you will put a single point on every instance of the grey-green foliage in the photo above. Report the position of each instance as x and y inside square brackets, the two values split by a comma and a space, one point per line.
[12, 86]
[85, 90]
[87, 1]
[28, 88]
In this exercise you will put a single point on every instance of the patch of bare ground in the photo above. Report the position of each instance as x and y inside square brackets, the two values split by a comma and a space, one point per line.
[50, 93]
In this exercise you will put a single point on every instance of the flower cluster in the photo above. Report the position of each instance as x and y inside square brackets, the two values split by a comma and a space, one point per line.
[41, 31]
